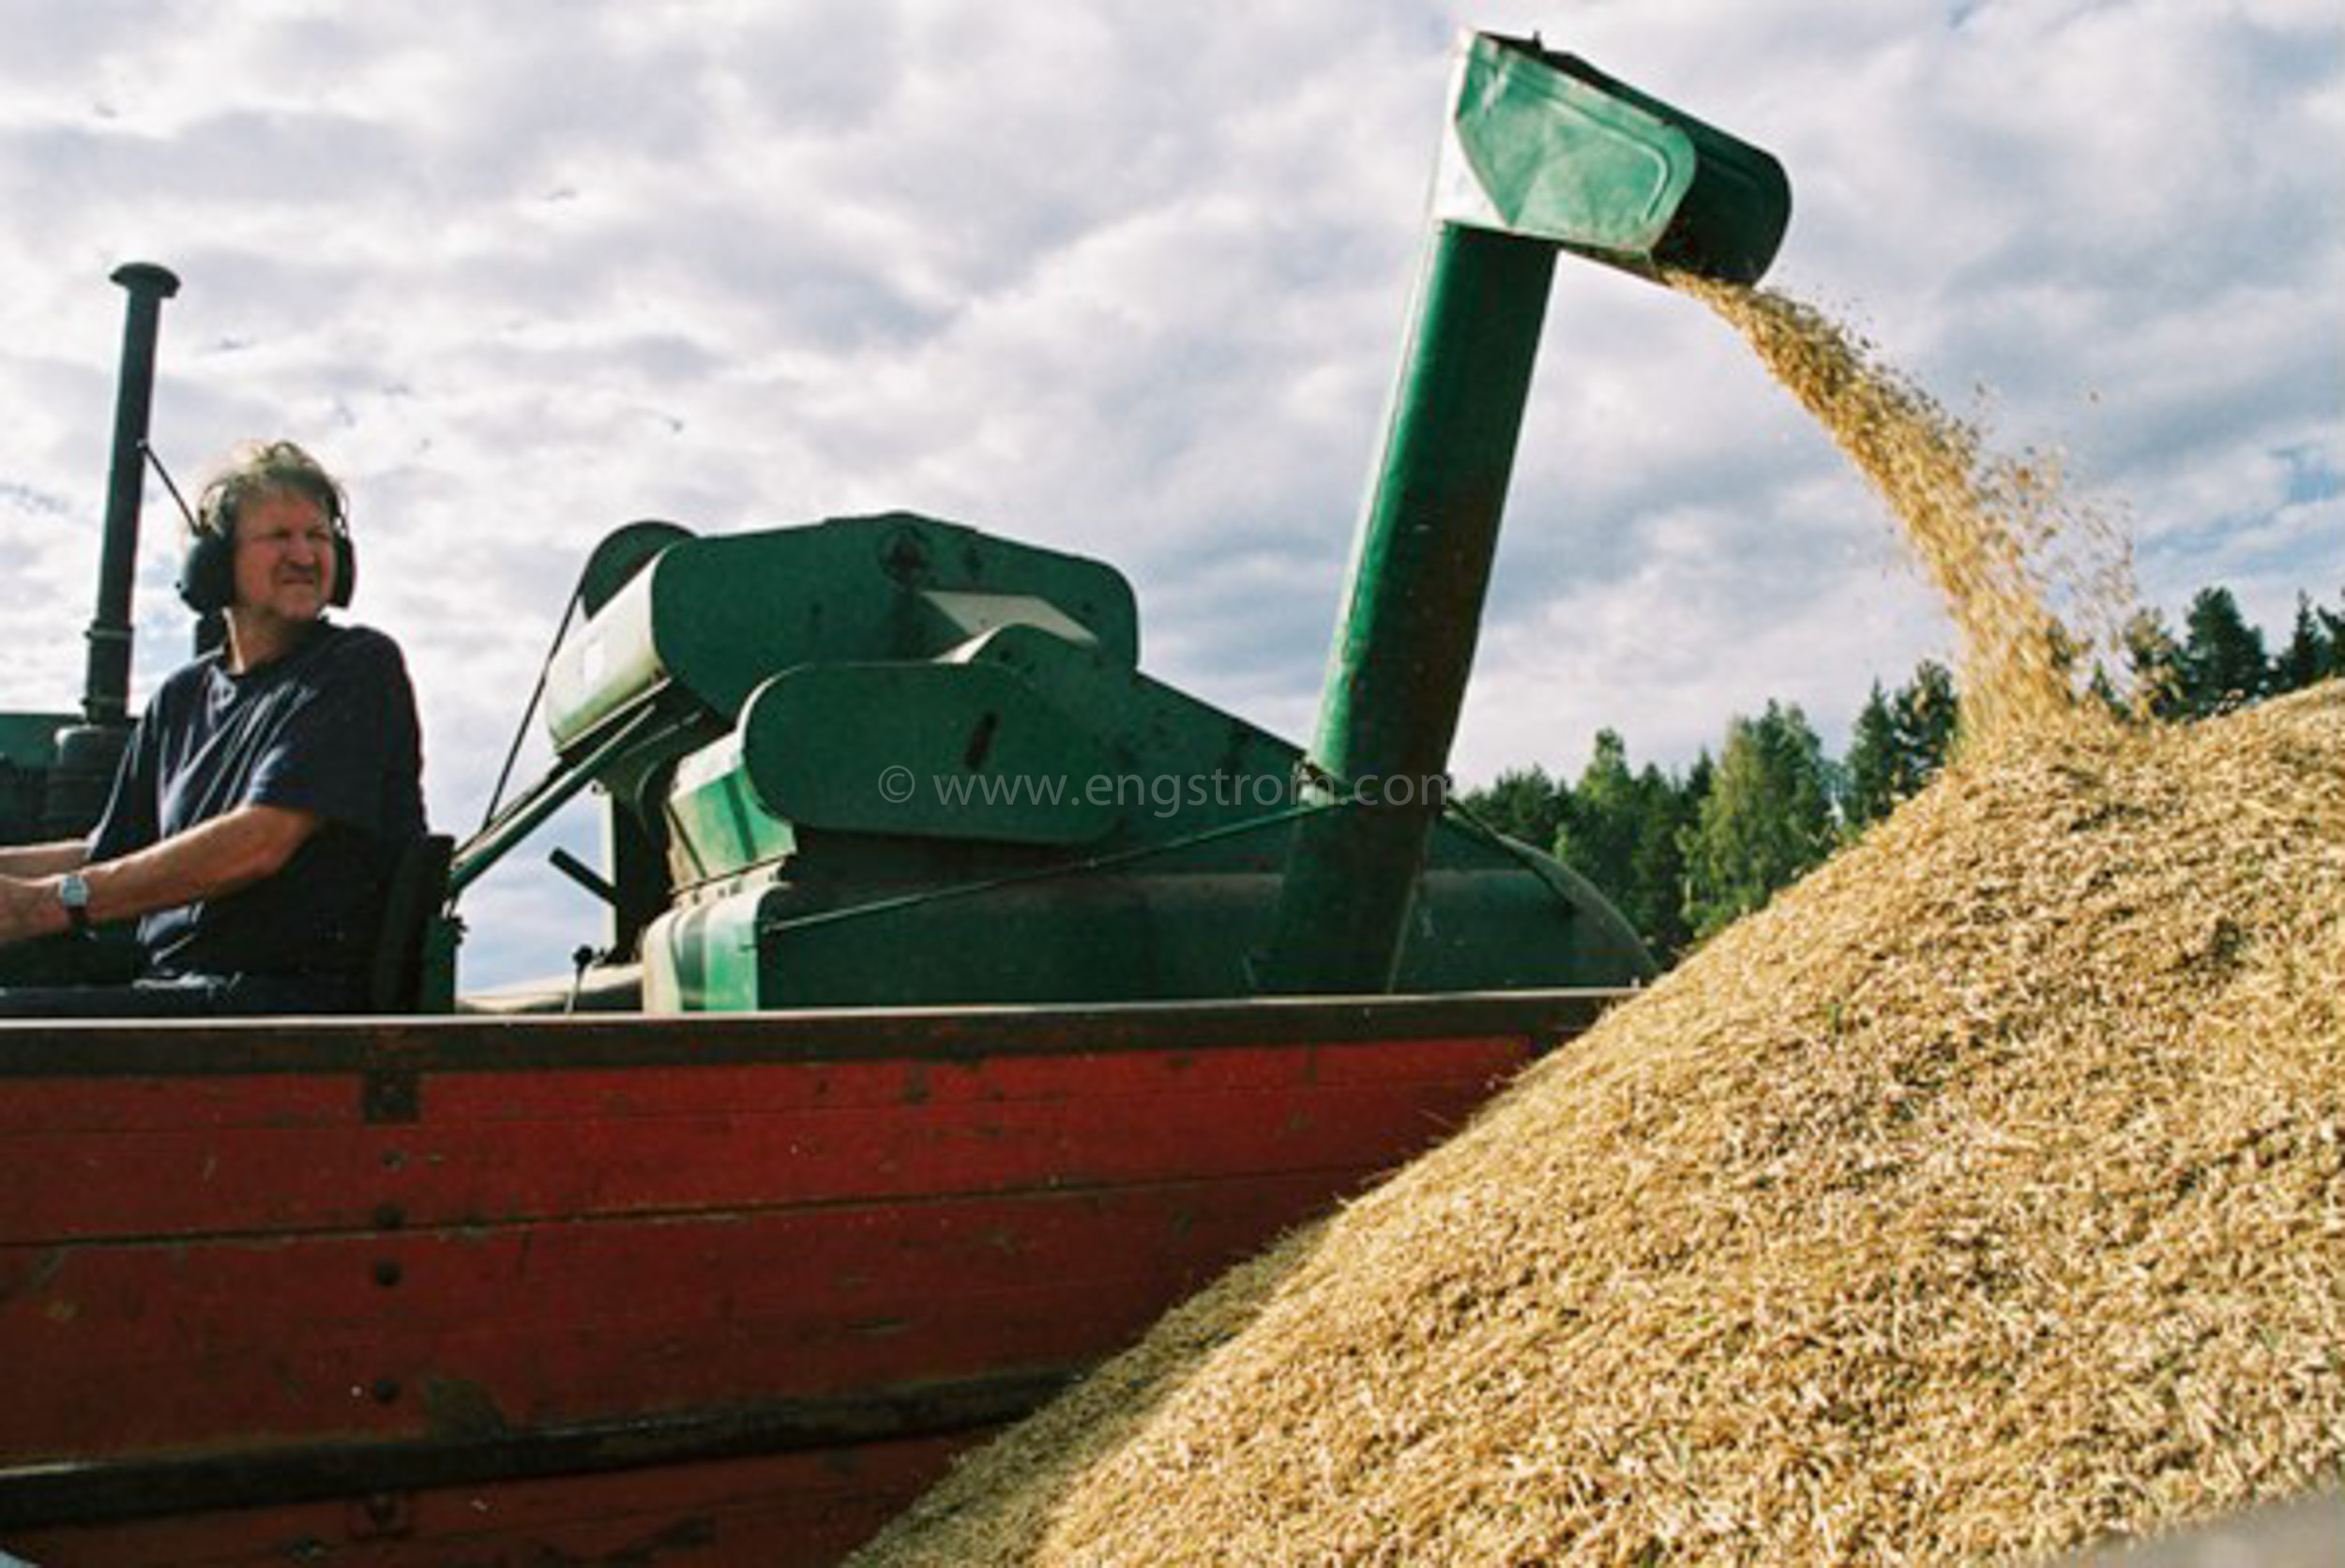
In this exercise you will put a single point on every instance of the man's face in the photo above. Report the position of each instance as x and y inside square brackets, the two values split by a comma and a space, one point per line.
[284, 556]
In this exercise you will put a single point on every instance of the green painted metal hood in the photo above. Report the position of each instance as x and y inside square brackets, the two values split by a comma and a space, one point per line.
[1543, 145]
[714, 617]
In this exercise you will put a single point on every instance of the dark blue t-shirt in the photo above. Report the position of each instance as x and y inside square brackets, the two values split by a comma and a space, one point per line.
[329, 728]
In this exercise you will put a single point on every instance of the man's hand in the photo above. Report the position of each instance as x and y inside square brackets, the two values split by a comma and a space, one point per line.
[29, 908]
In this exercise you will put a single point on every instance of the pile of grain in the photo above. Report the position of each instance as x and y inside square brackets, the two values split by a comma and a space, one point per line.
[1983, 1195]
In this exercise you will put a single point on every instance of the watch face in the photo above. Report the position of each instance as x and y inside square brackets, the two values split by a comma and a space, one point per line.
[72, 892]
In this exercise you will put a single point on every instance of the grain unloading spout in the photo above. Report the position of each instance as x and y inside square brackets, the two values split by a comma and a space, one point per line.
[1545, 147]
[1540, 152]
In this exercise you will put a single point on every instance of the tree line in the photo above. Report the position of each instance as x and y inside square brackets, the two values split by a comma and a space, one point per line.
[1682, 855]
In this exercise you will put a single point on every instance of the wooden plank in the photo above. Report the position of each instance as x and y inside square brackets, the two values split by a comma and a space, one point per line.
[569, 1146]
[122, 1349]
[779, 1511]
[331, 1094]
[76, 1050]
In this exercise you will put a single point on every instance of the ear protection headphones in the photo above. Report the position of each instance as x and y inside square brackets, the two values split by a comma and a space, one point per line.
[208, 573]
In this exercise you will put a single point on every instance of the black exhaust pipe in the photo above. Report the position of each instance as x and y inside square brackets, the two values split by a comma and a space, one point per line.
[106, 692]
[87, 753]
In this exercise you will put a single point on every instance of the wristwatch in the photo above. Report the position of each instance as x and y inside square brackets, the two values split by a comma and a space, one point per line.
[73, 893]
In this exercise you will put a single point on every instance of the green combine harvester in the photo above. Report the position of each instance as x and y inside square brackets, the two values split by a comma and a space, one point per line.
[894, 759]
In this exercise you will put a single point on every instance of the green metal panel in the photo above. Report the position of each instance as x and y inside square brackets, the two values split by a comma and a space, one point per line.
[704, 958]
[1181, 765]
[716, 616]
[29, 749]
[29, 741]
[622, 553]
[1165, 929]
[605, 664]
[962, 751]
[1546, 147]
[1556, 159]
[716, 824]
[28, 762]
[28, 757]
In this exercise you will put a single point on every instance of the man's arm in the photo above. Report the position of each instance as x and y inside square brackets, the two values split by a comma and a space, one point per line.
[43, 860]
[245, 846]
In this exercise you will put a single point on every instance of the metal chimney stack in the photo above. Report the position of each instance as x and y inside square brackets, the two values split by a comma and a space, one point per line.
[88, 753]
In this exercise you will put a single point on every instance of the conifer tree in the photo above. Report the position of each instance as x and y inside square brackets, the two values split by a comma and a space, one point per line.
[1656, 898]
[1928, 716]
[2154, 660]
[1599, 835]
[2306, 659]
[1521, 803]
[2223, 664]
[1873, 763]
[1899, 744]
[1767, 817]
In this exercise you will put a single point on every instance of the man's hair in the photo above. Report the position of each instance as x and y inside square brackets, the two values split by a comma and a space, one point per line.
[259, 468]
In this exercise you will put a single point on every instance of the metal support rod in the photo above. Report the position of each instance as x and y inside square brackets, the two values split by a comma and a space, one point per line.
[1396, 674]
[521, 815]
[106, 688]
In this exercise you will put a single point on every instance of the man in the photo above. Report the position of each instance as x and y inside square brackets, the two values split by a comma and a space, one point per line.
[266, 792]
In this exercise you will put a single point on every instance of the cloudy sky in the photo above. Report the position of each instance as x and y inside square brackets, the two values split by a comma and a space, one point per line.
[1128, 278]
